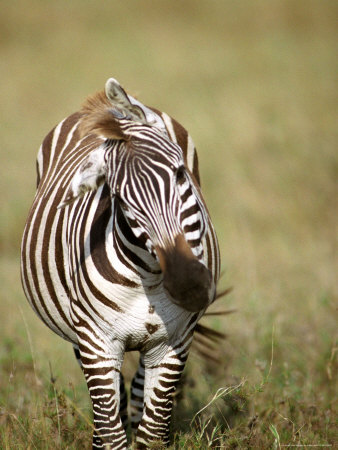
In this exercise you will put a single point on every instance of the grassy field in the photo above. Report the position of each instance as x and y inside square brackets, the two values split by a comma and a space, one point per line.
[255, 83]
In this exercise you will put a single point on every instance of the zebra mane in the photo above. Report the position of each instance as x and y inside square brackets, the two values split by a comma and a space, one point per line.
[104, 111]
[100, 117]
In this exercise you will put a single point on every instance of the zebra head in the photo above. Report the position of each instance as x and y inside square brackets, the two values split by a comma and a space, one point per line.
[148, 179]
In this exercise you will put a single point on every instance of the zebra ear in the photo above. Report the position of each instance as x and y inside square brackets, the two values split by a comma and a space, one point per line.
[119, 98]
[88, 177]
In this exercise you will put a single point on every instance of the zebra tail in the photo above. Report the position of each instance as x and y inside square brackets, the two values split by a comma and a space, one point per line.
[207, 341]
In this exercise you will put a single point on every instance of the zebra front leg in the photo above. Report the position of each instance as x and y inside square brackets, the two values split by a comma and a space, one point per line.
[123, 393]
[123, 403]
[103, 380]
[160, 385]
[136, 396]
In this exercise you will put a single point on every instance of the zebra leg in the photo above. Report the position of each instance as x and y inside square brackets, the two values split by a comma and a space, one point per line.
[123, 392]
[123, 403]
[102, 373]
[160, 384]
[136, 396]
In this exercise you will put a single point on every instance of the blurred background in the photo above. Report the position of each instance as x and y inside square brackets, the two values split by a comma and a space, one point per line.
[255, 83]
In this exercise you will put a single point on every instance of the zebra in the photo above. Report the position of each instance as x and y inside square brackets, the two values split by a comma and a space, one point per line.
[119, 254]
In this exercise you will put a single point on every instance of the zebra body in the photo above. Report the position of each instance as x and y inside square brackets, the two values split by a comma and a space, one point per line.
[119, 254]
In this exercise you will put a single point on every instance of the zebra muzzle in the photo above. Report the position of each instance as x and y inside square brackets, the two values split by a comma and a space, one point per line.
[186, 280]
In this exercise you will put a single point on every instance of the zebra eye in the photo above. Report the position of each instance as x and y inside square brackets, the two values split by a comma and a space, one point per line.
[180, 175]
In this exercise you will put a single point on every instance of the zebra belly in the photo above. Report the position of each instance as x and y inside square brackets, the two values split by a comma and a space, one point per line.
[56, 315]
[43, 281]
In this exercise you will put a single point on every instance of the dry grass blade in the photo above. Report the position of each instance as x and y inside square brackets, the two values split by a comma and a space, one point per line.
[220, 393]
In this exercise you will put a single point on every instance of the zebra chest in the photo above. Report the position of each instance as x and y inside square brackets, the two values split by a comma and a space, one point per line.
[141, 321]
[140, 326]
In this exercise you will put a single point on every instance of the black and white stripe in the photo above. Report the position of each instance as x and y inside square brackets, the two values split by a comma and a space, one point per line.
[119, 254]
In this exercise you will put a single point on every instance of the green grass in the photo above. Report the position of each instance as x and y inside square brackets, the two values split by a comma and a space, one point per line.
[255, 84]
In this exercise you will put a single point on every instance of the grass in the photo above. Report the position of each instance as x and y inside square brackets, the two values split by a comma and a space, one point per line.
[255, 84]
